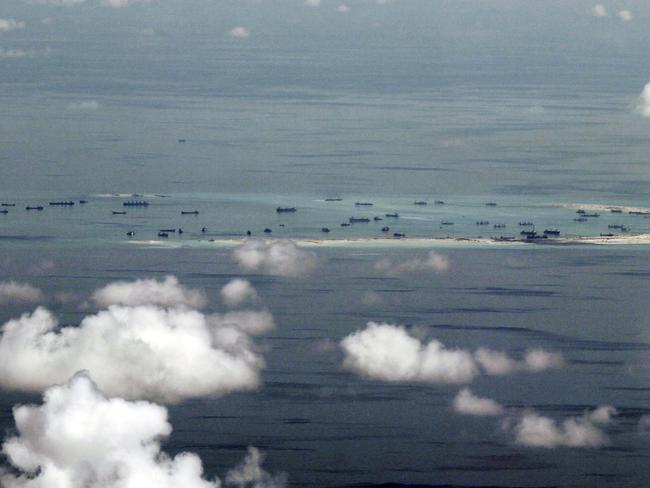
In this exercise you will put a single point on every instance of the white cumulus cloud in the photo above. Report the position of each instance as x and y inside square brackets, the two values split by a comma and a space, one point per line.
[239, 32]
[312, 3]
[11, 24]
[57, 3]
[467, 403]
[432, 262]
[135, 352]
[252, 322]
[534, 361]
[238, 291]
[282, 258]
[535, 430]
[625, 15]
[168, 292]
[79, 438]
[388, 352]
[122, 3]
[599, 11]
[16, 53]
[12, 292]
[643, 107]
[250, 474]
[84, 105]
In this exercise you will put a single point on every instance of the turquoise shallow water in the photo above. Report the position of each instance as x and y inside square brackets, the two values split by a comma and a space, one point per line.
[226, 217]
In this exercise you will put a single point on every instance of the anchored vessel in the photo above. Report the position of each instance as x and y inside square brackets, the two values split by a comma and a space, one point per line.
[136, 203]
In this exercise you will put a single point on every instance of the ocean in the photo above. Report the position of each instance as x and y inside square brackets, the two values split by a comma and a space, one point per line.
[235, 130]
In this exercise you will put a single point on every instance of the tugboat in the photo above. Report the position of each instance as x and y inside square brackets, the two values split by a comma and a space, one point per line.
[399, 234]
[163, 234]
[325, 230]
[130, 233]
[385, 229]
[377, 219]
[267, 231]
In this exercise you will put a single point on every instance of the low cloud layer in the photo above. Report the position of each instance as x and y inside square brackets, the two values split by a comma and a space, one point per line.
[433, 262]
[136, 352]
[12, 293]
[239, 32]
[79, 438]
[122, 3]
[16, 53]
[253, 322]
[7, 25]
[497, 363]
[281, 258]
[625, 15]
[535, 430]
[249, 474]
[238, 291]
[168, 292]
[88, 105]
[467, 403]
[390, 353]
[387, 352]
[57, 3]
[599, 11]
[643, 106]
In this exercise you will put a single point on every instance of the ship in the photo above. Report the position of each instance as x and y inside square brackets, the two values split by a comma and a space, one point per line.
[136, 203]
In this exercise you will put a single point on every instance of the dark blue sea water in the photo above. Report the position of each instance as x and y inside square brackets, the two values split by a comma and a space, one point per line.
[326, 427]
